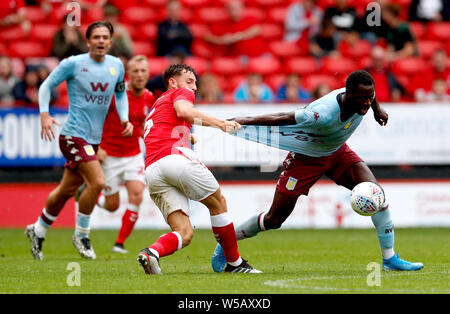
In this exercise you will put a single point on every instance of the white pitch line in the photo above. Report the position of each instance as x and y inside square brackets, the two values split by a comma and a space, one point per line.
[296, 283]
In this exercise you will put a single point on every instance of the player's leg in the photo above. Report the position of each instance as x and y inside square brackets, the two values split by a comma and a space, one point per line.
[132, 172]
[167, 243]
[298, 176]
[225, 234]
[113, 170]
[135, 196]
[358, 172]
[174, 207]
[109, 202]
[282, 206]
[94, 179]
[54, 204]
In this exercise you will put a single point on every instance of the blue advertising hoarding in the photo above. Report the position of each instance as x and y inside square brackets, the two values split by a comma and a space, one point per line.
[20, 139]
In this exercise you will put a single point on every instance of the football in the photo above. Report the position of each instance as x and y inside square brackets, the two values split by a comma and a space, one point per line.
[367, 198]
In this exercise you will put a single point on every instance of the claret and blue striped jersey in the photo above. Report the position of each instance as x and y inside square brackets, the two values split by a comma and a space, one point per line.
[319, 130]
[91, 86]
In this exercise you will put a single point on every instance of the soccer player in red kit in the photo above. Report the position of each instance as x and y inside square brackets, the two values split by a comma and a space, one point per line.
[174, 174]
[121, 158]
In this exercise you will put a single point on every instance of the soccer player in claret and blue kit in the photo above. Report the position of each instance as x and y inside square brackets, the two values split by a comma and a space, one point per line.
[316, 136]
[92, 80]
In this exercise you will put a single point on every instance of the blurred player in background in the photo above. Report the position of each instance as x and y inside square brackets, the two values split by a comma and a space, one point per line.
[92, 80]
[121, 158]
[175, 175]
[316, 136]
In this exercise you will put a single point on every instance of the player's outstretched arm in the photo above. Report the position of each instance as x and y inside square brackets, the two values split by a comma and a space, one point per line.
[186, 111]
[273, 119]
[380, 115]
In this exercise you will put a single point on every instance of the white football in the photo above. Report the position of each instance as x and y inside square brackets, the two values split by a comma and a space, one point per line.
[367, 198]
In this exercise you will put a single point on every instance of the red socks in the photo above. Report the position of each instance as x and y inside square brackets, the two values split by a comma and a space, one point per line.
[129, 219]
[167, 244]
[225, 234]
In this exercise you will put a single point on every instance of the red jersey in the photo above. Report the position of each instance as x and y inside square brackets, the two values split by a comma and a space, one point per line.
[112, 141]
[164, 131]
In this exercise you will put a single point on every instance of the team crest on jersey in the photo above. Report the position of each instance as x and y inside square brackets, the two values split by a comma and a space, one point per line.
[89, 150]
[348, 125]
[290, 185]
[316, 116]
[112, 71]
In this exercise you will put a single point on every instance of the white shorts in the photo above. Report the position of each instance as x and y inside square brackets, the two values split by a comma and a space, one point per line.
[118, 170]
[174, 179]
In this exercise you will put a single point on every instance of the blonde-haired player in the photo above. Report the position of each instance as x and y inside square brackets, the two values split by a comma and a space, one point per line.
[121, 158]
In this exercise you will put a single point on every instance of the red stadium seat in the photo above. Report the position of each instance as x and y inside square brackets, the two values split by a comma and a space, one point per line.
[122, 5]
[154, 3]
[200, 65]
[326, 3]
[439, 31]
[428, 47]
[361, 49]
[227, 66]
[3, 49]
[277, 15]
[365, 62]
[148, 31]
[301, 66]
[271, 3]
[195, 3]
[418, 29]
[338, 66]
[157, 65]
[275, 81]
[286, 49]
[202, 49]
[234, 81]
[409, 66]
[43, 32]
[93, 14]
[272, 32]
[211, 15]
[138, 15]
[360, 6]
[26, 49]
[14, 33]
[35, 14]
[198, 30]
[313, 81]
[143, 48]
[263, 65]
[257, 13]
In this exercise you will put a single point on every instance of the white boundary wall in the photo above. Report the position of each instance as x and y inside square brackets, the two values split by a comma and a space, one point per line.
[412, 204]
[415, 134]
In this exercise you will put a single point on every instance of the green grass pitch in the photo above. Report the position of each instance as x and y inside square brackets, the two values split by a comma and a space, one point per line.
[293, 262]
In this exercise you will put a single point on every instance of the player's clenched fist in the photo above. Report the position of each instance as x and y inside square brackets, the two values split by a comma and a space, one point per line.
[231, 126]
